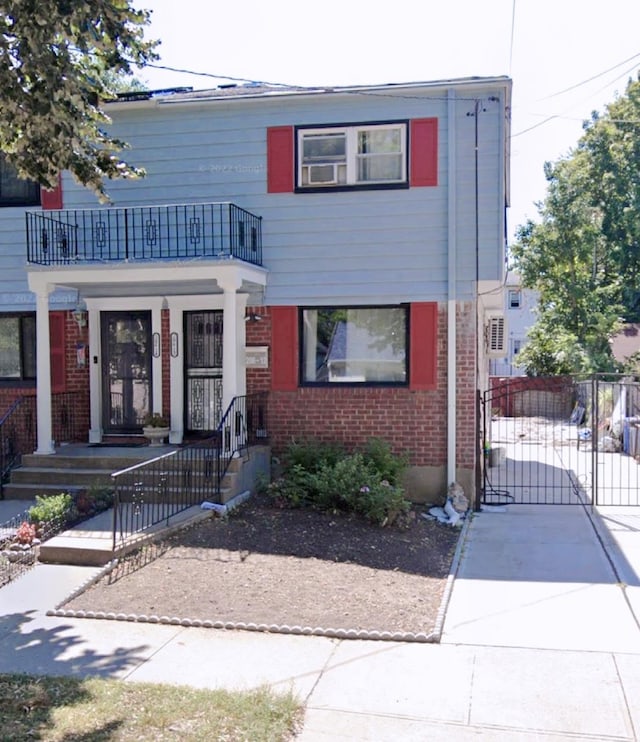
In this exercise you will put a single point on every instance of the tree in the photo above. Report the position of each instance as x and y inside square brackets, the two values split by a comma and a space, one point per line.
[59, 61]
[583, 257]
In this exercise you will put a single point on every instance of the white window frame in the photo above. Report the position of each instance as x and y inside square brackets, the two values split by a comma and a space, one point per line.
[514, 298]
[346, 171]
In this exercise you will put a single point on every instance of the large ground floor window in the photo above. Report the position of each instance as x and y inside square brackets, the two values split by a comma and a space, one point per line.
[358, 345]
[17, 347]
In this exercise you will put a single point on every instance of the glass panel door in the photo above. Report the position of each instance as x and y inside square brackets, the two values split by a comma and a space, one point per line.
[126, 370]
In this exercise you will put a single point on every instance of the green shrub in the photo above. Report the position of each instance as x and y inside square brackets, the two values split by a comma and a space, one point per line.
[311, 455]
[55, 509]
[390, 466]
[100, 496]
[328, 478]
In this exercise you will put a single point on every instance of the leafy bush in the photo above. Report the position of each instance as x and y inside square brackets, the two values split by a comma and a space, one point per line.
[312, 455]
[96, 499]
[53, 510]
[390, 466]
[328, 478]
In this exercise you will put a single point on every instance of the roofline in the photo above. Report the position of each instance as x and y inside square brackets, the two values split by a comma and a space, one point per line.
[244, 92]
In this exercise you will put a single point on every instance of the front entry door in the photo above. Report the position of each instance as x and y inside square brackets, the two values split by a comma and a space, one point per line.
[126, 370]
[203, 371]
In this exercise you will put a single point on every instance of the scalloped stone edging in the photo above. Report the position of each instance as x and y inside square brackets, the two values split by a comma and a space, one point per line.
[109, 567]
[453, 571]
[295, 630]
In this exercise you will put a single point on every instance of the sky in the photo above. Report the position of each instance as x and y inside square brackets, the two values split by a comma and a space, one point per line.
[566, 58]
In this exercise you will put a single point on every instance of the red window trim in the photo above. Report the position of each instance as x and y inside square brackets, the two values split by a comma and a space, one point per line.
[423, 351]
[280, 159]
[52, 199]
[284, 348]
[423, 162]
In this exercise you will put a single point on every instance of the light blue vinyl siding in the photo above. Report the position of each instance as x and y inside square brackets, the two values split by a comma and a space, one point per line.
[355, 247]
[14, 293]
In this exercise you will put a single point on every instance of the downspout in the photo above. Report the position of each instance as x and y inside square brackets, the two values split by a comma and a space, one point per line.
[451, 290]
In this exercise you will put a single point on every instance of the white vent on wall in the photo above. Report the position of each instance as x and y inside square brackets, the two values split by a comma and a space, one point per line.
[496, 335]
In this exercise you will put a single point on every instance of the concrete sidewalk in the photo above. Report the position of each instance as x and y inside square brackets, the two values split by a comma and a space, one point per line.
[540, 643]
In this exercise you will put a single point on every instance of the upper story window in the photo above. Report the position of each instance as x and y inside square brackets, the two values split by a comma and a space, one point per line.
[15, 191]
[514, 299]
[352, 156]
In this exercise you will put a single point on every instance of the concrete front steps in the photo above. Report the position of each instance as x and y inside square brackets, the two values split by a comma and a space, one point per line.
[79, 468]
[71, 468]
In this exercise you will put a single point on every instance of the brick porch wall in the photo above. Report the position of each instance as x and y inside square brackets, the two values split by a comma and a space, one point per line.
[76, 380]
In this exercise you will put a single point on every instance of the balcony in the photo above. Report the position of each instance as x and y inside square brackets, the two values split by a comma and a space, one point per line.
[144, 233]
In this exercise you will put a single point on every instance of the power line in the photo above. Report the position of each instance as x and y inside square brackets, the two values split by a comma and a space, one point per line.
[574, 118]
[590, 79]
[513, 24]
[217, 77]
[313, 88]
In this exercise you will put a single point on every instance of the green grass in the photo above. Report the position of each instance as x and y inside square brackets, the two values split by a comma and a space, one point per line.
[62, 709]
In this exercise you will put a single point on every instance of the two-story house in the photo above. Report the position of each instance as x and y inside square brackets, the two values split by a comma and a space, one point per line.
[336, 248]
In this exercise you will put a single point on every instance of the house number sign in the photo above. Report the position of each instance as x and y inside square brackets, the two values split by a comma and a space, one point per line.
[257, 356]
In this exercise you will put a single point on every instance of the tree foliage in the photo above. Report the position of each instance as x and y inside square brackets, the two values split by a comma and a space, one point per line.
[583, 256]
[59, 61]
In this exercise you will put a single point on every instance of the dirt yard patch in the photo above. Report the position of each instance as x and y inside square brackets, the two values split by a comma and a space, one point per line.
[274, 567]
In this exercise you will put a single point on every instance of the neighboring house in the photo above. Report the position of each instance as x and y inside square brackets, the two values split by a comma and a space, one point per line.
[337, 248]
[519, 313]
[626, 343]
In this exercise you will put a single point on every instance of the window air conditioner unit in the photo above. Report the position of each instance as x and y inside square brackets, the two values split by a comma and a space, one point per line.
[325, 174]
[496, 335]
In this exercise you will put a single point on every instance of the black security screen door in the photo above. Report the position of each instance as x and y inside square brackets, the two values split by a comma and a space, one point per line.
[126, 370]
[203, 371]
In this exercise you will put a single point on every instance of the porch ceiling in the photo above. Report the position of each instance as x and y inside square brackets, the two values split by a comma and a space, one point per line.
[149, 279]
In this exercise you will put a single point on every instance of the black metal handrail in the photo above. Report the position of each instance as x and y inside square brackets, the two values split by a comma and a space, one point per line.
[18, 428]
[17, 435]
[165, 232]
[243, 424]
[154, 491]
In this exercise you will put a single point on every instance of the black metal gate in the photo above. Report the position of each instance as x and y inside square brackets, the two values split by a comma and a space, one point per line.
[561, 441]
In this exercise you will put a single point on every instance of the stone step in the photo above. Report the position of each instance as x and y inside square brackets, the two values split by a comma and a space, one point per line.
[88, 461]
[29, 490]
[68, 477]
[102, 464]
[90, 544]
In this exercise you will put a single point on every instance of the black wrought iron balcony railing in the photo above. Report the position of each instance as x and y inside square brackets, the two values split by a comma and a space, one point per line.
[168, 232]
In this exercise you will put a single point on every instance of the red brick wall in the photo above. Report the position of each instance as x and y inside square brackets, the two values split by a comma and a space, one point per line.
[77, 381]
[78, 375]
[259, 333]
[414, 422]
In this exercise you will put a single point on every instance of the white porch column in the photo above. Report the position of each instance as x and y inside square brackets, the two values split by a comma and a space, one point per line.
[229, 341]
[241, 344]
[95, 373]
[43, 373]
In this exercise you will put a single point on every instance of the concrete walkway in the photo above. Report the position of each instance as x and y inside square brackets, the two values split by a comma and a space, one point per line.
[541, 642]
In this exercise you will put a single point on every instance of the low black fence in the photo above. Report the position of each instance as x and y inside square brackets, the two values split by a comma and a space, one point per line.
[152, 492]
[17, 435]
[18, 427]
